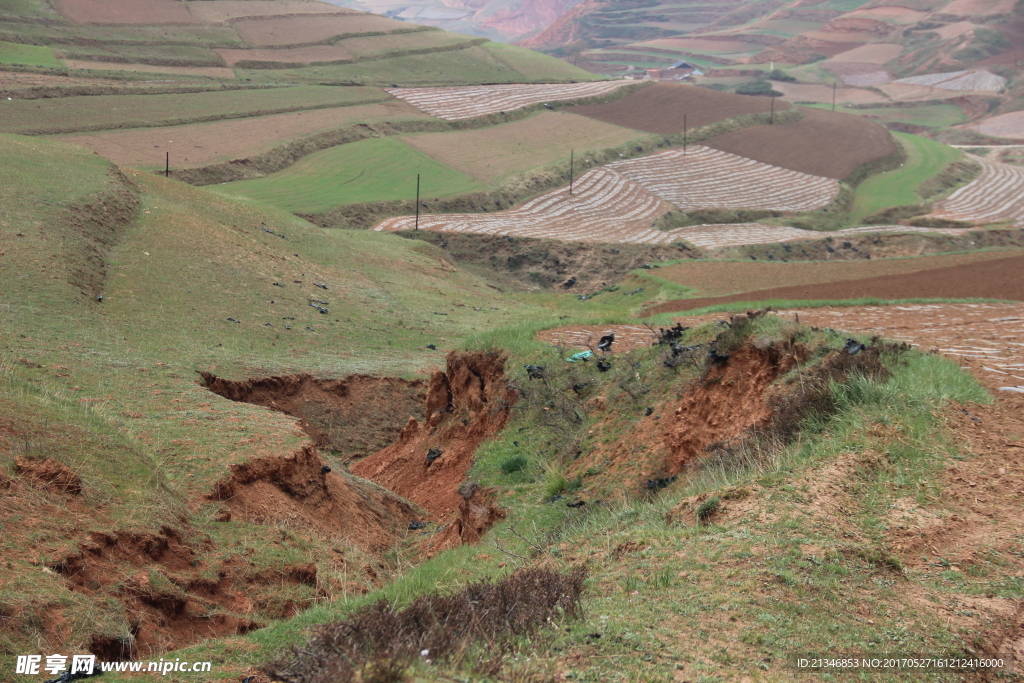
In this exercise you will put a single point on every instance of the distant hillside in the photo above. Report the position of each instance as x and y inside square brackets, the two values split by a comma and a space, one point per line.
[224, 41]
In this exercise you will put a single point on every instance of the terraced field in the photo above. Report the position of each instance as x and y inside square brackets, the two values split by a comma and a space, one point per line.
[200, 144]
[373, 170]
[973, 79]
[705, 178]
[997, 194]
[465, 102]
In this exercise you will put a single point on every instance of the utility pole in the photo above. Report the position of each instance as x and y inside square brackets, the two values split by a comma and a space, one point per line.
[834, 86]
[771, 117]
[167, 168]
[572, 153]
[417, 202]
[684, 134]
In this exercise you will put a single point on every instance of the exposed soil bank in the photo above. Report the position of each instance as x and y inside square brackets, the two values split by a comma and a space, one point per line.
[541, 263]
[466, 404]
[731, 399]
[352, 417]
[170, 600]
[294, 492]
[996, 279]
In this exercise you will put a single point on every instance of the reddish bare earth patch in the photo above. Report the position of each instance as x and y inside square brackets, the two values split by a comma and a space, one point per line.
[310, 29]
[208, 71]
[997, 279]
[822, 143]
[294, 492]
[295, 55]
[858, 74]
[660, 108]
[354, 416]
[50, 475]
[466, 404]
[872, 53]
[121, 12]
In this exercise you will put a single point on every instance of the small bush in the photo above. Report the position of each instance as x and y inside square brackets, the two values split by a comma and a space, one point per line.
[514, 463]
[708, 508]
[757, 88]
[378, 643]
[780, 75]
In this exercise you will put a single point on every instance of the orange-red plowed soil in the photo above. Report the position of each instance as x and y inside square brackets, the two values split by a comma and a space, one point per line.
[660, 108]
[996, 279]
[123, 12]
[822, 143]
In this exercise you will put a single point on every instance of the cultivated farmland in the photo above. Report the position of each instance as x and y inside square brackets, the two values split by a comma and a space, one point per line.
[221, 11]
[200, 144]
[102, 112]
[822, 143]
[374, 170]
[299, 30]
[660, 108]
[705, 178]
[294, 55]
[1009, 125]
[466, 102]
[492, 153]
[997, 194]
[121, 12]
[206, 71]
[604, 207]
[974, 79]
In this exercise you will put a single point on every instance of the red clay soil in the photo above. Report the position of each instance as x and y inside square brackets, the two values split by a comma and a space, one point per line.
[822, 143]
[477, 513]
[660, 108]
[996, 279]
[294, 491]
[729, 401]
[121, 12]
[466, 404]
[49, 475]
[353, 417]
[173, 615]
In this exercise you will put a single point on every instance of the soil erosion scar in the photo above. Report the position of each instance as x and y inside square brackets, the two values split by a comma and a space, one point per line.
[352, 417]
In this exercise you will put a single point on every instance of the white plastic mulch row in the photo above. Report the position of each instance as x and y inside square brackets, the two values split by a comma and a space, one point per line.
[705, 178]
[997, 194]
[973, 79]
[453, 103]
[620, 201]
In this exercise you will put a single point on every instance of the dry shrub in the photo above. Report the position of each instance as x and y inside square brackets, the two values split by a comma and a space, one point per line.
[378, 642]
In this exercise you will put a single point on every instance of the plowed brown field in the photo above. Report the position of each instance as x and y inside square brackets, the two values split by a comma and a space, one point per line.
[207, 71]
[122, 12]
[660, 108]
[271, 31]
[721, 278]
[221, 11]
[294, 55]
[822, 143]
[995, 279]
[200, 144]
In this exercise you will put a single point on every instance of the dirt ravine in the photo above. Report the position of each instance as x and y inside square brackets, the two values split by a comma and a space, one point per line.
[295, 492]
[467, 403]
[351, 417]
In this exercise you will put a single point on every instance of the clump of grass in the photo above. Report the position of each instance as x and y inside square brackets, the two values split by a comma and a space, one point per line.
[514, 463]
[708, 508]
[443, 627]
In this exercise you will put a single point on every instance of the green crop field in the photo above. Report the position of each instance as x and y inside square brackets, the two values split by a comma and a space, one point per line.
[931, 115]
[925, 158]
[32, 55]
[375, 170]
[372, 47]
[101, 112]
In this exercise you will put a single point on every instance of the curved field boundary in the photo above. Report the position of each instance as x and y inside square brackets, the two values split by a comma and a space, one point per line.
[464, 102]
[741, 234]
[705, 178]
[997, 194]
[604, 207]
[978, 79]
